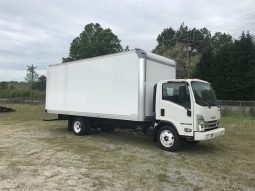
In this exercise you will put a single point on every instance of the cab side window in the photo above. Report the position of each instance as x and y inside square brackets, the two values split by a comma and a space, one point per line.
[176, 92]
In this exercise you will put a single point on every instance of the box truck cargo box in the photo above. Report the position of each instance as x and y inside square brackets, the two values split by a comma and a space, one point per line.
[116, 86]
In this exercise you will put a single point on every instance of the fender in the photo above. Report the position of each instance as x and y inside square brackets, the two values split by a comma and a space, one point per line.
[161, 123]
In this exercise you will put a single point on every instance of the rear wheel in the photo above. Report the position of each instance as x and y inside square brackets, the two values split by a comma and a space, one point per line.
[168, 138]
[80, 126]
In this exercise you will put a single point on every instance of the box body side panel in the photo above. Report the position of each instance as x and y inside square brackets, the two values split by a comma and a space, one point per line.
[56, 87]
[155, 72]
[105, 87]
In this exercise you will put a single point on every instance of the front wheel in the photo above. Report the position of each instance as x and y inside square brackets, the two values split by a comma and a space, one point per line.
[168, 138]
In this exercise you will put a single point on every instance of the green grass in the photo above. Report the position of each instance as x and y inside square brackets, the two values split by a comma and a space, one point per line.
[120, 160]
[21, 92]
[24, 112]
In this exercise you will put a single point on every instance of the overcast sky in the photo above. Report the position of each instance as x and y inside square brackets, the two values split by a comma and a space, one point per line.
[39, 32]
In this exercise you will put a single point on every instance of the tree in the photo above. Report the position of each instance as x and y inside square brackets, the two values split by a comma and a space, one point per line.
[3, 85]
[195, 38]
[93, 41]
[31, 76]
[186, 46]
[243, 72]
[230, 68]
[166, 40]
[219, 40]
[205, 67]
[180, 56]
[41, 83]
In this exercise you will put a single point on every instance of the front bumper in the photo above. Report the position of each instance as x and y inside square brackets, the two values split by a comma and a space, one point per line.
[201, 136]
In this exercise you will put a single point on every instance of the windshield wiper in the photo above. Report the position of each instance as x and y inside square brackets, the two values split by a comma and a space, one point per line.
[204, 103]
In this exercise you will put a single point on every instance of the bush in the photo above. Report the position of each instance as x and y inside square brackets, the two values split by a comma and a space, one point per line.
[21, 92]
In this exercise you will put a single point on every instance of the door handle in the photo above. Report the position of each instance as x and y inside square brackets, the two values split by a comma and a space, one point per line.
[162, 112]
[188, 112]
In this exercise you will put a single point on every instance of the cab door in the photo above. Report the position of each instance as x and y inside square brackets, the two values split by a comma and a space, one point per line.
[175, 106]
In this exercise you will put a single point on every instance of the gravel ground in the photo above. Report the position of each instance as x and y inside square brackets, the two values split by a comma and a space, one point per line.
[37, 155]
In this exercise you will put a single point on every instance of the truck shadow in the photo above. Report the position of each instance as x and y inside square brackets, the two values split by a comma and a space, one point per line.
[123, 137]
[112, 136]
[141, 140]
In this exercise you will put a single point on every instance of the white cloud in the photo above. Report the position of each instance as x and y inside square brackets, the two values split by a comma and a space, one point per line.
[15, 75]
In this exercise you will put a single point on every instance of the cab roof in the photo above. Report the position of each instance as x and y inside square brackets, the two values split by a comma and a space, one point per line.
[186, 80]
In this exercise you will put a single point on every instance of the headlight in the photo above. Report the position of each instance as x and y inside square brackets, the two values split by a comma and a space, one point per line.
[200, 123]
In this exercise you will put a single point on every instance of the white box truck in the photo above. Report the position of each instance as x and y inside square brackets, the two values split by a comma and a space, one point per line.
[133, 89]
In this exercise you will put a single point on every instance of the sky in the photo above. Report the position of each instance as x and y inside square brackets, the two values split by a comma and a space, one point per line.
[39, 32]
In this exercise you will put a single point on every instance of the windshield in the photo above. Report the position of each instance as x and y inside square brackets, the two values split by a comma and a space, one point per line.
[204, 94]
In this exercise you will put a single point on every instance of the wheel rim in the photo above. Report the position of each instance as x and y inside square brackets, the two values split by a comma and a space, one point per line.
[77, 126]
[167, 138]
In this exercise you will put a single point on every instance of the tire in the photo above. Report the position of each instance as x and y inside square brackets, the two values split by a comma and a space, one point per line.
[168, 138]
[80, 126]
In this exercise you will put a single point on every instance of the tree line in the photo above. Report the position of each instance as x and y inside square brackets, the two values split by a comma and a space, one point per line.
[34, 86]
[227, 63]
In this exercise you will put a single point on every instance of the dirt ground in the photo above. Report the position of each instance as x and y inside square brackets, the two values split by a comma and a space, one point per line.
[37, 155]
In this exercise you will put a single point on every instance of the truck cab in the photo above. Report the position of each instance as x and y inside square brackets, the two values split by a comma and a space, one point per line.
[185, 110]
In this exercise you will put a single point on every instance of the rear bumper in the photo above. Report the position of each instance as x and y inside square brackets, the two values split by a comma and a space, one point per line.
[201, 136]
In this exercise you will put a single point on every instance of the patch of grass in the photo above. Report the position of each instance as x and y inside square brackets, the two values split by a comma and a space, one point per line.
[124, 160]
[229, 113]
[163, 178]
[25, 112]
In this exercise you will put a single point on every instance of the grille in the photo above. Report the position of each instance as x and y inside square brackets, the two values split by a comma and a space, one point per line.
[209, 125]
